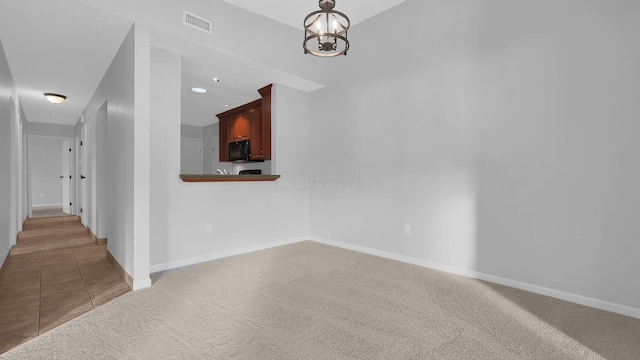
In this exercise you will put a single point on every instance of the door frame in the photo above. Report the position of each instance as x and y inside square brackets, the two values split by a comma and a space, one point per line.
[66, 175]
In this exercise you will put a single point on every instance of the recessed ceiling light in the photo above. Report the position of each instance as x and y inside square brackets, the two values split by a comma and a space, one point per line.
[227, 105]
[215, 80]
[198, 90]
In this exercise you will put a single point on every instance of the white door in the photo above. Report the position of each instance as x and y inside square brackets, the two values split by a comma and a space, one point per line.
[66, 176]
[190, 156]
[216, 154]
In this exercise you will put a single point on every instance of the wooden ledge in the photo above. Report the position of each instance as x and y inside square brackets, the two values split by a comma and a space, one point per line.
[227, 178]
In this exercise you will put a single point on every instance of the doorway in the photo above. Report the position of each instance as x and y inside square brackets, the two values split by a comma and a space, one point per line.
[50, 180]
[190, 156]
[66, 176]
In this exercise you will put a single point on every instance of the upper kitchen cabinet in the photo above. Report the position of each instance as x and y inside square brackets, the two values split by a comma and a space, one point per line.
[255, 125]
[251, 122]
[239, 124]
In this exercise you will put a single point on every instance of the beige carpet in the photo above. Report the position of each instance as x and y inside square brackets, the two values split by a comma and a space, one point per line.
[312, 301]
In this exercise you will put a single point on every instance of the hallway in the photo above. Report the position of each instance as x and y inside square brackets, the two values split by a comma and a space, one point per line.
[54, 273]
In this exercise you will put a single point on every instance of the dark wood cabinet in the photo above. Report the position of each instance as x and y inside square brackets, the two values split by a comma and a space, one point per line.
[251, 122]
[239, 127]
[255, 124]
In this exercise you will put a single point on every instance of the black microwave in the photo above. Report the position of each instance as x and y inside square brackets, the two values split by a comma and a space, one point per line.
[240, 151]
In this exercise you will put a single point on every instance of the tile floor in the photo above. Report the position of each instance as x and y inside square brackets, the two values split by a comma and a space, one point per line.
[54, 273]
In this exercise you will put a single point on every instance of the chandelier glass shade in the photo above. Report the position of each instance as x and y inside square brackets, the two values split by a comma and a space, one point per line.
[325, 31]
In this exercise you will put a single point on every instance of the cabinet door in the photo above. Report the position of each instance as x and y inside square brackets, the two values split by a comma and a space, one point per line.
[239, 127]
[255, 125]
[223, 145]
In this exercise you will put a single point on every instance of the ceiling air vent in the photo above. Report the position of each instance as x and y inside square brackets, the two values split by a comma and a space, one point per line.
[196, 22]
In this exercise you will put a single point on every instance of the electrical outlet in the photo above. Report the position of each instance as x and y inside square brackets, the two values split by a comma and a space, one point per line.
[208, 229]
[407, 230]
[41, 194]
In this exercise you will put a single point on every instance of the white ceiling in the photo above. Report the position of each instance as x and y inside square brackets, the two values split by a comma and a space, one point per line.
[61, 47]
[239, 82]
[66, 47]
[292, 12]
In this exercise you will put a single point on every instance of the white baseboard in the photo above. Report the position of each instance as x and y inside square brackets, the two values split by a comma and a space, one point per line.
[223, 254]
[562, 295]
[141, 284]
[38, 207]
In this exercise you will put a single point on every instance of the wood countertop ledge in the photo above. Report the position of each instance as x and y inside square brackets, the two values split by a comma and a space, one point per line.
[226, 178]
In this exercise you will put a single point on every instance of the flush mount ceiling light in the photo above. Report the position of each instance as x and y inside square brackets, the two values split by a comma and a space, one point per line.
[55, 98]
[328, 28]
[215, 80]
[198, 90]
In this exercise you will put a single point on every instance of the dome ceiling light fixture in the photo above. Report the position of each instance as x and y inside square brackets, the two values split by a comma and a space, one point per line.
[54, 98]
[329, 28]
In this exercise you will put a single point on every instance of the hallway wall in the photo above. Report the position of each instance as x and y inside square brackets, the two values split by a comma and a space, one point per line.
[110, 174]
[7, 113]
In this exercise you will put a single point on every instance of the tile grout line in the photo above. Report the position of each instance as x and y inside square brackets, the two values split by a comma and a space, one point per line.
[82, 276]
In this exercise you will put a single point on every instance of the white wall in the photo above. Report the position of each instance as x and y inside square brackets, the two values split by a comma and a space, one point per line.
[506, 137]
[23, 165]
[210, 164]
[243, 215]
[501, 131]
[35, 128]
[191, 131]
[45, 167]
[191, 156]
[7, 115]
[116, 131]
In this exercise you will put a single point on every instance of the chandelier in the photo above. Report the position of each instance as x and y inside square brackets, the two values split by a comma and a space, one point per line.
[325, 31]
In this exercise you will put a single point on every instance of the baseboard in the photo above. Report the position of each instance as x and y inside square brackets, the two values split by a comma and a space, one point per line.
[46, 206]
[5, 263]
[125, 275]
[97, 240]
[222, 254]
[141, 284]
[562, 295]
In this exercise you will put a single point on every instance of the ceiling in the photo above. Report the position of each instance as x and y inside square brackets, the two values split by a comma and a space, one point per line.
[239, 78]
[292, 12]
[61, 47]
[66, 47]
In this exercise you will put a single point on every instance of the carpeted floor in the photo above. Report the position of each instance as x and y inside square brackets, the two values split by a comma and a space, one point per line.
[313, 301]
